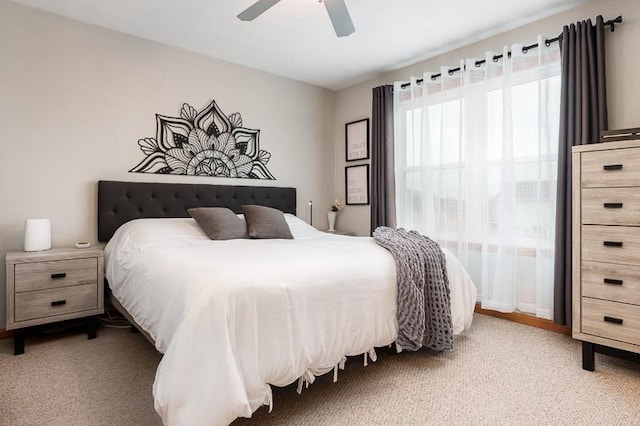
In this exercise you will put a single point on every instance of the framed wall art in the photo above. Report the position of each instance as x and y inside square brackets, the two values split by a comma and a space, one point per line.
[357, 184]
[357, 140]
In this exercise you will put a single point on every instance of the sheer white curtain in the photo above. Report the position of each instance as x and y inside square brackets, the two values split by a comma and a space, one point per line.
[476, 156]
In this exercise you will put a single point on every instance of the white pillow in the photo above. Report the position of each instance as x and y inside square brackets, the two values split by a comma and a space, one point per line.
[299, 228]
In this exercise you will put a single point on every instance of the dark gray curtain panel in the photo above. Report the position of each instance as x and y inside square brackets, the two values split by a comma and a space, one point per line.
[383, 185]
[583, 115]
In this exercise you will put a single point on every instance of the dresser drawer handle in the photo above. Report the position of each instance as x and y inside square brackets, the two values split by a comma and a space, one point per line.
[613, 243]
[613, 320]
[612, 167]
[612, 281]
[58, 302]
[58, 276]
[612, 205]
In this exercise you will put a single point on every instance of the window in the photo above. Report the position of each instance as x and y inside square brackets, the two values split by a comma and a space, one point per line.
[476, 164]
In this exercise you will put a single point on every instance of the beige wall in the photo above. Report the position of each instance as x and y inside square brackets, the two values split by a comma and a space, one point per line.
[75, 99]
[623, 63]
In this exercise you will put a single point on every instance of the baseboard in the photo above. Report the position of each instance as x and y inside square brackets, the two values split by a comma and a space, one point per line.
[5, 334]
[525, 319]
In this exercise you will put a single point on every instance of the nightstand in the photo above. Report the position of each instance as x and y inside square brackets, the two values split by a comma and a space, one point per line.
[51, 286]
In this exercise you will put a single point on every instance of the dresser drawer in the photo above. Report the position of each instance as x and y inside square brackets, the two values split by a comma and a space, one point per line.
[55, 274]
[612, 320]
[619, 283]
[616, 167]
[611, 206]
[611, 244]
[46, 303]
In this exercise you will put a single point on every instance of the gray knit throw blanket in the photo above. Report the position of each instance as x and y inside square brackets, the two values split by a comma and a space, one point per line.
[424, 308]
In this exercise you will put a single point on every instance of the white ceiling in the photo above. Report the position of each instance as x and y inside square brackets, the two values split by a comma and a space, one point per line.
[295, 38]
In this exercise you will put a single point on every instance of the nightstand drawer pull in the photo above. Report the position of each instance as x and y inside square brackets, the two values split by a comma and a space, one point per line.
[612, 205]
[612, 243]
[610, 167]
[58, 276]
[58, 303]
[613, 320]
[612, 281]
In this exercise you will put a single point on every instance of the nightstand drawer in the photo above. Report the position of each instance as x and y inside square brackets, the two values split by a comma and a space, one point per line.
[611, 206]
[616, 167]
[617, 321]
[619, 283]
[611, 244]
[55, 274]
[48, 303]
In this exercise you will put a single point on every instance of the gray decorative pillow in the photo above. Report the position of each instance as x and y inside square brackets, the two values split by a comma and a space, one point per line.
[219, 223]
[266, 223]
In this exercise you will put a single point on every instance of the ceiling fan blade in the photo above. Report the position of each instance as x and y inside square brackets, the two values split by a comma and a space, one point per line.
[256, 9]
[340, 18]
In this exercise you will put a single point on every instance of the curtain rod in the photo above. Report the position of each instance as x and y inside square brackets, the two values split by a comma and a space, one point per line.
[611, 23]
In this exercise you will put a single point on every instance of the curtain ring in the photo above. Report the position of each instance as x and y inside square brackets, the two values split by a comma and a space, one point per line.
[495, 58]
[450, 72]
[547, 42]
[478, 63]
[525, 49]
[433, 77]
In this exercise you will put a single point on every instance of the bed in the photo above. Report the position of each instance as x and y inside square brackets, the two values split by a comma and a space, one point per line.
[234, 317]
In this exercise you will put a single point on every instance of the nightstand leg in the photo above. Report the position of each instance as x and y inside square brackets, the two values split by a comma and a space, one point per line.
[92, 328]
[18, 342]
[588, 356]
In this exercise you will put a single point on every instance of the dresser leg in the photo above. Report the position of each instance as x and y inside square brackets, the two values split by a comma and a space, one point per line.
[588, 356]
[92, 328]
[18, 342]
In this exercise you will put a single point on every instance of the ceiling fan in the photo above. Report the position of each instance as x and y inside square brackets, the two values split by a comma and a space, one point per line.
[337, 10]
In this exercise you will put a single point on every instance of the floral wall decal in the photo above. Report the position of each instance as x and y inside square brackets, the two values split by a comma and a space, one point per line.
[205, 143]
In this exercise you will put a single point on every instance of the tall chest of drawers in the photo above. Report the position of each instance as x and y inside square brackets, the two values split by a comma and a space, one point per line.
[606, 247]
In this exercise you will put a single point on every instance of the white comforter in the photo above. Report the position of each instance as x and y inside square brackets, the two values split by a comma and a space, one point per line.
[233, 317]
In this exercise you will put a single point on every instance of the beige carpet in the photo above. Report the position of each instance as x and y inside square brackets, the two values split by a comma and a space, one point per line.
[500, 373]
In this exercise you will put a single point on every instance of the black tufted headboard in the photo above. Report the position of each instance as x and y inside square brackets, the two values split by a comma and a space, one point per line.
[120, 202]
